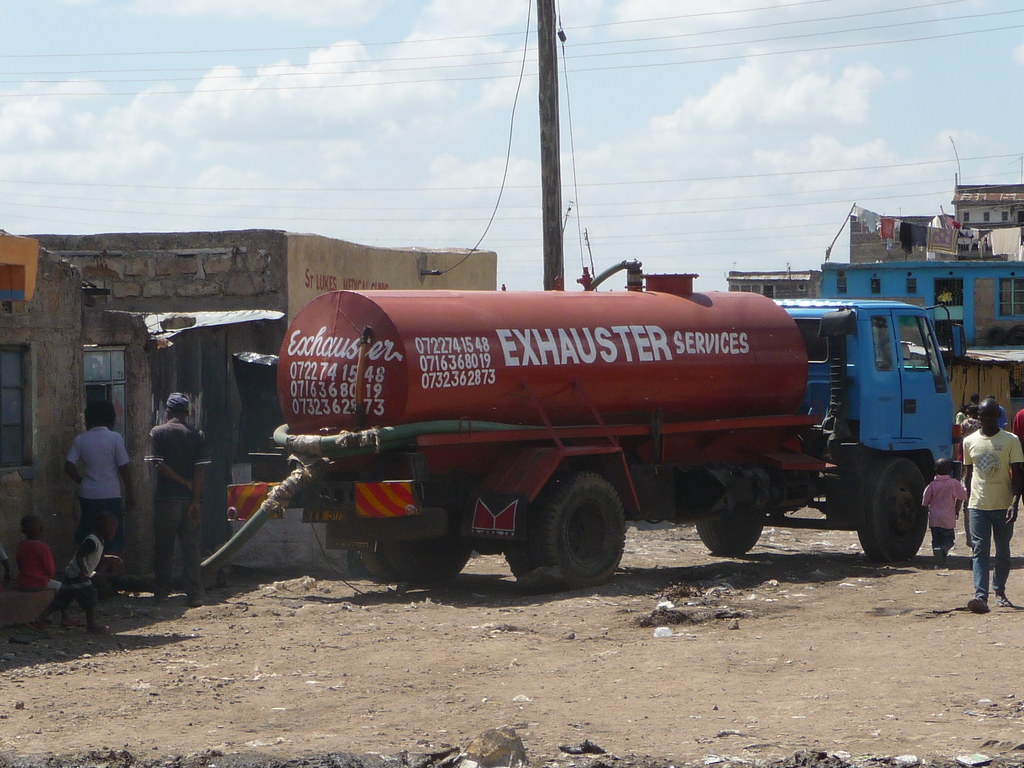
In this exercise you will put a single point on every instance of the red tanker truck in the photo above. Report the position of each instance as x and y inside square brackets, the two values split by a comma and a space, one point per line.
[430, 424]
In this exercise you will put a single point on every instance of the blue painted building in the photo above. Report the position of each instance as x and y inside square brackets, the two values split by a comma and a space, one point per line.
[987, 296]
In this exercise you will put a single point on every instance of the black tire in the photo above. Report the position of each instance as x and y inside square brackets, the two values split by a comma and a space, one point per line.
[519, 558]
[995, 336]
[731, 535]
[894, 520]
[578, 528]
[377, 565]
[420, 562]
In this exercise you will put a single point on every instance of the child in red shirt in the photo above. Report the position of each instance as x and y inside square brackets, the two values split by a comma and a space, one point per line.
[36, 569]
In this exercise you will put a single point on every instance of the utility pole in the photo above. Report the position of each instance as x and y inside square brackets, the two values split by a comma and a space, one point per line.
[550, 170]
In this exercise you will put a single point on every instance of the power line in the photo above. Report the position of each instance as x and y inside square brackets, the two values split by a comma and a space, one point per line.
[420, 58]
[647, 65]
[418, 41]
[620, 182]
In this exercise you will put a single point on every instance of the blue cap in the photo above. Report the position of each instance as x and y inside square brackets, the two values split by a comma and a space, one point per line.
[177, 402]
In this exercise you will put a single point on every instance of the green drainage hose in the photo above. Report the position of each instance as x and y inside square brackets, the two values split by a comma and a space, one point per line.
[313, 452]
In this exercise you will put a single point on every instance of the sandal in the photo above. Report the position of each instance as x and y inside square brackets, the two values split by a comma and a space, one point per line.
[99, 629]
[1004, 602]
[72, 622]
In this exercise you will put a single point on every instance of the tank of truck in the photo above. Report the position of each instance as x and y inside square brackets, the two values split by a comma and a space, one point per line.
[352, 360]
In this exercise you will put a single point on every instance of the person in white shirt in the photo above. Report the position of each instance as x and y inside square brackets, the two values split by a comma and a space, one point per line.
[98, 462]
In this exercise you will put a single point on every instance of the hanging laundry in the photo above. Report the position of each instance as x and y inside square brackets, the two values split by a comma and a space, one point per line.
[905, 236]
[918, 235]
[941, 240]
[1006, 242]
[869, 219]
[887, 228]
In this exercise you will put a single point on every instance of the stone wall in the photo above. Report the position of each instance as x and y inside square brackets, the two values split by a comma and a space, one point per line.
[49, 330]
[181, 271]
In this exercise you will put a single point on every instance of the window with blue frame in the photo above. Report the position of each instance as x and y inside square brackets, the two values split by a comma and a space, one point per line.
[12, 406]
[1011, 296]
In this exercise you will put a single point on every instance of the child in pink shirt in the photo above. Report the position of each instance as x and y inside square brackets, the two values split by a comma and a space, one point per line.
[943, 497]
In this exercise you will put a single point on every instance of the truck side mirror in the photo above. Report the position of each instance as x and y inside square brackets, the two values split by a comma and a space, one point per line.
[841, 322]
[958, 341]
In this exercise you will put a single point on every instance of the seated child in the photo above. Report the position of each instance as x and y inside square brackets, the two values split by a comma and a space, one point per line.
[36, 570]
[943, 498]
[76, 583]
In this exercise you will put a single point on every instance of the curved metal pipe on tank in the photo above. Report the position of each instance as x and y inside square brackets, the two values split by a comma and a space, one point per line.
[625, 264]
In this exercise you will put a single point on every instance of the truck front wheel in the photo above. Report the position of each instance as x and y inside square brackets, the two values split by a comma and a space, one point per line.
[731, 535]
[578, 528]
[894, 520]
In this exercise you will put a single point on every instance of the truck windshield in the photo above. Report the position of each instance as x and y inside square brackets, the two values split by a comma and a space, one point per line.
[918, 349]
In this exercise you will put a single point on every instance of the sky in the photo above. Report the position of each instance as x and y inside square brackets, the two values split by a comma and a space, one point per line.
[695, 137]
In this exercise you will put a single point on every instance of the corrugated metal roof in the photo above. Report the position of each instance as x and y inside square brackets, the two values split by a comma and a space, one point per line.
[997, 355]
[989, 193]
[164, 325]
[783, 276]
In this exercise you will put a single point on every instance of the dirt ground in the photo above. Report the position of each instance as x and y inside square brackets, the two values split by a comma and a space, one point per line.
[802, 645]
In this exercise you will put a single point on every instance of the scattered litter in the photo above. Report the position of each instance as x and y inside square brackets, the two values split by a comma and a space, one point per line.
[906, 761]
[974, 759]
[586, 747]
[261, 743]
[522, 698]
[663, 632]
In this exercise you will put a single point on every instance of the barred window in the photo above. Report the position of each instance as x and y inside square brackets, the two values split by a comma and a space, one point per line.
[12, 406]
[1011, 296]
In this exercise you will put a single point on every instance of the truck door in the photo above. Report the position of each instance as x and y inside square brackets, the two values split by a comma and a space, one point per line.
[879, 399]
[922, 381]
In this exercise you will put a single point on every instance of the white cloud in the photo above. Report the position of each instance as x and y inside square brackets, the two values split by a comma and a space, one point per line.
[763, 94]
[348, 12]
[453, 18]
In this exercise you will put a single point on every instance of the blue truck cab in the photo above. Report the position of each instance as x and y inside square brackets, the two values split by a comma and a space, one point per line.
[878, 383]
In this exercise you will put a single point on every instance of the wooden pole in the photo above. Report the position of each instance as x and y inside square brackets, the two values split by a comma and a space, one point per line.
[550, 171]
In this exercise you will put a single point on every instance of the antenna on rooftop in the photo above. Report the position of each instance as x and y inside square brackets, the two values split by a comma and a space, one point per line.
[957, 156]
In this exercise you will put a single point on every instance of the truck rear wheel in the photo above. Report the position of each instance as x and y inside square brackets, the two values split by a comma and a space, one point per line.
[731, 535]
[377, 566]
[578, 527]
[894, 521]
[420, 562]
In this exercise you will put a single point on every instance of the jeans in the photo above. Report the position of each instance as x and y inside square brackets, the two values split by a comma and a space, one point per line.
[943, 538]
[170, 522]
[90, 509]
[988, 525]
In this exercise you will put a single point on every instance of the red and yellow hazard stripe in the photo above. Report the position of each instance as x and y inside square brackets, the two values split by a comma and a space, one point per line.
[393, 498]
[245, 499]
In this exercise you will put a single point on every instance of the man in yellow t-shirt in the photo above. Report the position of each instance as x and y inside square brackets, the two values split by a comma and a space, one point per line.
[995, 478]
